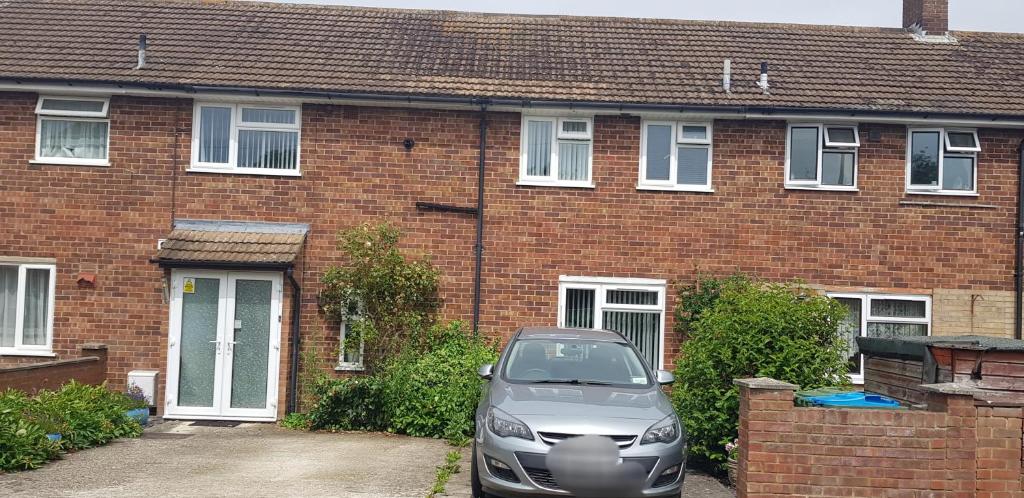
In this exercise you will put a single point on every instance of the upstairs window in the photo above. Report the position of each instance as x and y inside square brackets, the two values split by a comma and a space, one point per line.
[822, 156]
[675, 156]
[556, 151]
[72, 130]
[238, 138]
[26, 308]
[942, 161]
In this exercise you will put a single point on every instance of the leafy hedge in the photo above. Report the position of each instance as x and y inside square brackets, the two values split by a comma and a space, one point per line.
[750, 329]
[84, 415]
[429, 394]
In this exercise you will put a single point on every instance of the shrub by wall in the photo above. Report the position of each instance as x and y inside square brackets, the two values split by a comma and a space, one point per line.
[749, 329]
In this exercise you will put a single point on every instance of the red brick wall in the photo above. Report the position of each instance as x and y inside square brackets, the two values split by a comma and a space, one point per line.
[953, 449]
[355, 169]
[90, 368]
[931, 15]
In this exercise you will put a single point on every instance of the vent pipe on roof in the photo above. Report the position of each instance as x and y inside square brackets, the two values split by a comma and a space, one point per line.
[727, 76]
[763, 82]
[142, 51]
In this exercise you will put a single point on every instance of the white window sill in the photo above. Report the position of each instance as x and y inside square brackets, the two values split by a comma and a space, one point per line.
[827, 188]
[25, 352]
[66, 162]
[349, 367]
[237, 171]
[540, 183]
[958, 193]
[677, 188]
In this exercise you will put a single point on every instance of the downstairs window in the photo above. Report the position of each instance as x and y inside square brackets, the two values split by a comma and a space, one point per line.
[26, 308]
[884, 316]
[633, 307]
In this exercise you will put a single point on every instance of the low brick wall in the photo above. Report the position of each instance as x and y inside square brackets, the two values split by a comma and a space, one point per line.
[89, 368]
[963, 445]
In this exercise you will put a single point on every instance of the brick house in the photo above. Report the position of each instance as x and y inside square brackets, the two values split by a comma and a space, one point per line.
[174, 173]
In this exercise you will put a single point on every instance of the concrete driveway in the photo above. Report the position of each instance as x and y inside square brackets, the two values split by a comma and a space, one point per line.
[177, 459]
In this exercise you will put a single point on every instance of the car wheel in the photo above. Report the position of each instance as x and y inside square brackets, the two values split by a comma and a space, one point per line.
[474, 477]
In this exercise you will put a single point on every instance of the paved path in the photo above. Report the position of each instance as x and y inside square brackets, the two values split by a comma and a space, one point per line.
[177, 459]
[697, 485]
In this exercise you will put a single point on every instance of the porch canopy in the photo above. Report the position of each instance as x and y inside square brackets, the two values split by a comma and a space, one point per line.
[231, 244]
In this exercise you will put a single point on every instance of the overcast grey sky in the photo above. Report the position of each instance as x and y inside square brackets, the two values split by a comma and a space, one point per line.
[971, 15]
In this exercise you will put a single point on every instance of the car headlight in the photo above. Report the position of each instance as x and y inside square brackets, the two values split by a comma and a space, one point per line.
[665, 431]
[505, 425]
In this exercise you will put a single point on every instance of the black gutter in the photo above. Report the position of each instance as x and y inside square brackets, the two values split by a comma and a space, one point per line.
[492, 102]
[445, 208]
[479, 247]
[1018, 267]
[295, 342]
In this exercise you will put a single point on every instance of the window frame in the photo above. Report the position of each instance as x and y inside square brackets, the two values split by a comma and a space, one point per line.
[237, 125]
[551, 179]
[601, 286]
[81, 116]
[19, 348]
[824, 145]
[866, 317]
[943, 152]
[349, 366]
[643, 183]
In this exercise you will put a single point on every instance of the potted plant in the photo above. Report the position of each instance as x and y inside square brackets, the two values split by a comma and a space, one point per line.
[732, 463]
[138, 406]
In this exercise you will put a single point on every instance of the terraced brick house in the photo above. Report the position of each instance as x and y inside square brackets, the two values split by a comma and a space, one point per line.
[173, 175]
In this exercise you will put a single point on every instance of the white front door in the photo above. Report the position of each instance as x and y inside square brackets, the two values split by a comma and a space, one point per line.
[224, 345]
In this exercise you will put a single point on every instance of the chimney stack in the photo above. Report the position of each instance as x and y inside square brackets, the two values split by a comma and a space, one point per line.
[930, 16]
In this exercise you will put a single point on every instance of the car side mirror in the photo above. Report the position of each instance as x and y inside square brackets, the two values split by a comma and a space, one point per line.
[486, 371]
[665, 377]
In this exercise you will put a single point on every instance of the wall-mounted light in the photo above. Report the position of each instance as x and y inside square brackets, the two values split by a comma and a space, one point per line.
[86, 279]
[408, 143]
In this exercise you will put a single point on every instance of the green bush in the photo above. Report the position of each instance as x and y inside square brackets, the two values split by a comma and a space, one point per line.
[84, 415]
[435, 394]
[427, 394]
[701, 295]
[786, 332]
[352, 404]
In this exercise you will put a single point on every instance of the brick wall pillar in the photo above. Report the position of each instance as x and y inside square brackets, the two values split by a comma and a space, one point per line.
[998, 463]
[765, 405]
[99, 351]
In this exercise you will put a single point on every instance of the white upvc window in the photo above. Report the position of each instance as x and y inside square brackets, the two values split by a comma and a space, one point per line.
[556, 151]
[72, 130]
[26, 308]
[884, 316]
[942, 161]
[821, 156]
[248, 139]
[634, 307]
[350, 355]
[675, 156]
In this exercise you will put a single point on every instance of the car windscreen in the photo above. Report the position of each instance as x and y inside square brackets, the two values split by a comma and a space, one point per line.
[575, 361]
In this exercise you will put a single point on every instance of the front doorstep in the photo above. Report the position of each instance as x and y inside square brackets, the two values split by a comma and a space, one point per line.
[219, 417]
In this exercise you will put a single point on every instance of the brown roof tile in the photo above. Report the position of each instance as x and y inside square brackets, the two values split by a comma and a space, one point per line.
[230, 247]
[390, 51]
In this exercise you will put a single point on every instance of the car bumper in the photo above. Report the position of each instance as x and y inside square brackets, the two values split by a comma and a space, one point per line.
[525, 460]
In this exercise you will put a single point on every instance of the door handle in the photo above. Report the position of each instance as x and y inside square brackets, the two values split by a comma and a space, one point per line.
[217, 348]
[231, 345]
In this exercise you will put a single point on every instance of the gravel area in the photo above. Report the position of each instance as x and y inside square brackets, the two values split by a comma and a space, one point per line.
[178, 459]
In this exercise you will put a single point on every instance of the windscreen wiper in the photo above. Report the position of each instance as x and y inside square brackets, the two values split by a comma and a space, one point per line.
[575, 382]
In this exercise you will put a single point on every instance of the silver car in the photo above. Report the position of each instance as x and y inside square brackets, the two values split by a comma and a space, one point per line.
[552, 384]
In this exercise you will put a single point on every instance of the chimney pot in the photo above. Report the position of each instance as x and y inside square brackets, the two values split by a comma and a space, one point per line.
[930, 16]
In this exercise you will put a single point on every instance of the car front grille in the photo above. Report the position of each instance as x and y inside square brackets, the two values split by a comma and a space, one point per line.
[542, 477]
[552, 438]
[536, 468]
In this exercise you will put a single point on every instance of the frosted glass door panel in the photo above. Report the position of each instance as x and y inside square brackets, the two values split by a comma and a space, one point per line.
[251, 349]
[200, 315]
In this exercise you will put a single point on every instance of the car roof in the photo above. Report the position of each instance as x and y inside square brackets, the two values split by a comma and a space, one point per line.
[567, 333]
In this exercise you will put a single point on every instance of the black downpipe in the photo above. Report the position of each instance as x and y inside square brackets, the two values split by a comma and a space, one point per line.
[293, 367]
[1018, 267]
[479, 247]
